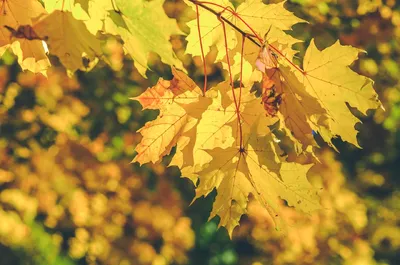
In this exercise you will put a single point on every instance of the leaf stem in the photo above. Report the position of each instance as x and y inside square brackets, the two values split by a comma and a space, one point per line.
[241, 69]
[114, 6]
[202, 51]
[231, 81]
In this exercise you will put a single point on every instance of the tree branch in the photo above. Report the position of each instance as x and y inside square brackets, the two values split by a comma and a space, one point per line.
[226, 21]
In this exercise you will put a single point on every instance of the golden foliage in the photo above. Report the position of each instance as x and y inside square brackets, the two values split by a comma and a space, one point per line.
[109, 210]
[337, 230]
[100, 202]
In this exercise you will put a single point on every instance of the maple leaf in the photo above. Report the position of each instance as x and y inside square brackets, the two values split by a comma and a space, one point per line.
[328, 78]
[316, 98]
[256, 169]
[211, 156]
[144, 27]
[219, 127]
[179, 104]
[31, 54]
[68, 38]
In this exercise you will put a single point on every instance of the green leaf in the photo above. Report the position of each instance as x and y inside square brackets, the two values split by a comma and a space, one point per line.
[144, 27]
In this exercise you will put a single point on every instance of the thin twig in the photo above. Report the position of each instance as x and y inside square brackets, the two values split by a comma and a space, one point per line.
[197, 3]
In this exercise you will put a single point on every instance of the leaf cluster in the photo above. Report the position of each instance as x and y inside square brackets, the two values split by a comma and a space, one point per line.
[225, 137]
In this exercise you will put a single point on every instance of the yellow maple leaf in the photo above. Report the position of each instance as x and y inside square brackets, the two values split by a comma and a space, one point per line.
[68, 39]
[219, 127]
[180, 105]
[256, 169]
[316, 98]
[31, 53]
[328, 78]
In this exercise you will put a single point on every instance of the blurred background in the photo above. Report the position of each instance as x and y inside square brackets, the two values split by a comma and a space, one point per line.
[69, 195]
